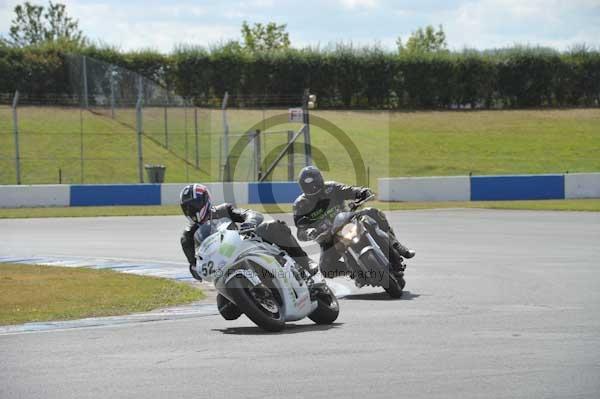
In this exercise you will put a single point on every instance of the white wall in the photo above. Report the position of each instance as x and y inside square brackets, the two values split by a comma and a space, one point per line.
[450, 188]
[582, 185]
[170, 192]
[31, 196]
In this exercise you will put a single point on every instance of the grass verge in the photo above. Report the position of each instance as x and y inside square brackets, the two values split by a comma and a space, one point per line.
[44, 293]
[424, 143]
[588, 205]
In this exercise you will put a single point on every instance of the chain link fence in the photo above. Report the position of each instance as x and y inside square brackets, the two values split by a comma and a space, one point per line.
[116, 122]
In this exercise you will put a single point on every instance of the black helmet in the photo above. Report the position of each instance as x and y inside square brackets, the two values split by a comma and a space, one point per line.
[195, 202]
[311, 180]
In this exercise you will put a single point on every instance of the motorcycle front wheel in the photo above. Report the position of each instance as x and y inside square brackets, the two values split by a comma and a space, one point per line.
[227, 309]
[258, 303]
[394, 284]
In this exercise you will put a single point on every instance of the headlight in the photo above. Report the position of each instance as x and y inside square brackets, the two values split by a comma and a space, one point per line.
[349, 232]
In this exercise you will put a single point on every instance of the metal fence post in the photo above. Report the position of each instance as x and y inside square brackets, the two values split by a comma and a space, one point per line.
[185, 132]
[140, 83]
[257, 155]
[85, 82]
[112, 92]
[166, 118]
[196, 136]
[139, 127]
[81, 144]
[291, 172]
[306, 120]
[16, 132]
[227, 175]
[220, 159]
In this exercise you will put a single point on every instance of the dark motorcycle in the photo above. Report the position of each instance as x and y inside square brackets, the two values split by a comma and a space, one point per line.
[366, 249]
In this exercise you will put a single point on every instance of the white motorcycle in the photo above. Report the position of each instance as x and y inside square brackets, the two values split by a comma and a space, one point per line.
[260, 280]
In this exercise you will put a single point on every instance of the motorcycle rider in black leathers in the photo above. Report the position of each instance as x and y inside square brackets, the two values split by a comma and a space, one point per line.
[324, 200]
[197, 207]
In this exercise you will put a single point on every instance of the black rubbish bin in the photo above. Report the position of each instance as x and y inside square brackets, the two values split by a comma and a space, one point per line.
[156, 173]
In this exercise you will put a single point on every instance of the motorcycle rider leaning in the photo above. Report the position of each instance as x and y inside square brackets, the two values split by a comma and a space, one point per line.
[195, 201]
[322, 200]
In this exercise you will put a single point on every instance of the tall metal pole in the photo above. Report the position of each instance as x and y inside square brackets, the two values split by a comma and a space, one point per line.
[166, 116]
[306, 128]
[112, 93]
[185, 132]
[227, 175]
[291, 172]
[140, 83]
[85, 83]
[196, 137]
[139, 127]
[81, 143]
[257, 155]
[16, 132]
[220, 159]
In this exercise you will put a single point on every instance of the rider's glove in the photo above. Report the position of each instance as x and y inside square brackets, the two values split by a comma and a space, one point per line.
[364, 194]
[311, 233]
[247, 226]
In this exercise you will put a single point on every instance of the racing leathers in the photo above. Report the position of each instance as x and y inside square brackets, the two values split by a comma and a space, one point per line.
[310, 212]
[275, 232]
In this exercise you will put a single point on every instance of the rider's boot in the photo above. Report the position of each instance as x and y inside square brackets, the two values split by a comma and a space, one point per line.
[385, 226]
[405, 252]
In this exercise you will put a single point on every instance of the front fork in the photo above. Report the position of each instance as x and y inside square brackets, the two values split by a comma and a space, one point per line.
[384, 240]
[374, 238]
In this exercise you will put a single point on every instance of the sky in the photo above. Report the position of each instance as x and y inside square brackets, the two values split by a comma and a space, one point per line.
[479, 24]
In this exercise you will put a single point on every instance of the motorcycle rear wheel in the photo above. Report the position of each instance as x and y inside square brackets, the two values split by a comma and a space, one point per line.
[240, 290]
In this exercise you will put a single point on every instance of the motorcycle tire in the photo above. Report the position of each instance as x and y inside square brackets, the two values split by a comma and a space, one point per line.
[394, 284]
[227, 309]
[239, 288]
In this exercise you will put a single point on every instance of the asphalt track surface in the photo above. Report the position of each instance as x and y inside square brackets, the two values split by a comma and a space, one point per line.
[498, 304]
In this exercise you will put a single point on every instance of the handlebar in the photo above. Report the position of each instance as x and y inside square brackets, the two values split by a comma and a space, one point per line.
[247, 228]
[354, 205]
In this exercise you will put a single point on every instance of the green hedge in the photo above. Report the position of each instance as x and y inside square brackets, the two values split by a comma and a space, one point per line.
[341, 77]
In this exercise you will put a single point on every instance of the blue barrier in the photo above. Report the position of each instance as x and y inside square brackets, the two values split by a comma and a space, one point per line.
[525, 187]
[117, 194]
[273, 193]
[475, 188]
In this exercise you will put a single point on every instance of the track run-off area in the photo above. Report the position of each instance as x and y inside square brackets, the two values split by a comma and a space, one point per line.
[497, 304]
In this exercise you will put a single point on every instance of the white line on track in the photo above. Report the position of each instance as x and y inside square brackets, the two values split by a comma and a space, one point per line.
[170, 270]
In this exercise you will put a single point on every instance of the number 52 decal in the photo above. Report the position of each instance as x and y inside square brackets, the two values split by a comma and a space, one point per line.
[208, 268]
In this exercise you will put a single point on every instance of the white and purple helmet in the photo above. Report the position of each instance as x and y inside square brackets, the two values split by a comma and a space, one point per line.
[195, 202]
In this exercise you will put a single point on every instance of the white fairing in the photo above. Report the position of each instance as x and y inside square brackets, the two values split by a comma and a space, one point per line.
[226, 249]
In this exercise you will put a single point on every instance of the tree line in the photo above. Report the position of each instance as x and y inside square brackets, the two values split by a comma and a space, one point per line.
[344, 76]
[422, 74]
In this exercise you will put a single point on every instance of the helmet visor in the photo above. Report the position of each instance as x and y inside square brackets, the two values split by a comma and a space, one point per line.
[311, 185]
[196, 209]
